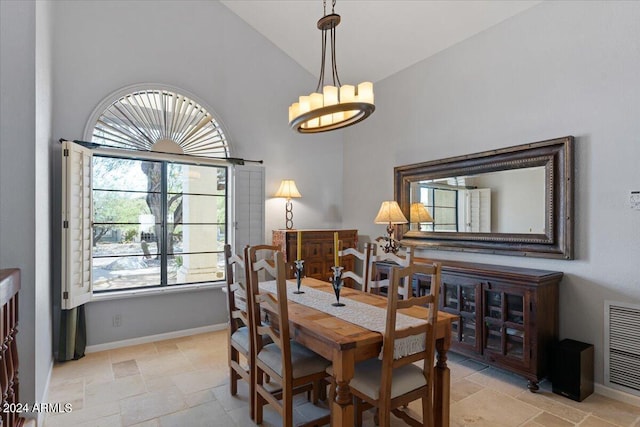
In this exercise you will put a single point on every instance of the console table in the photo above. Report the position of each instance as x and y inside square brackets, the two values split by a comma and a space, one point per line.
[508, 315]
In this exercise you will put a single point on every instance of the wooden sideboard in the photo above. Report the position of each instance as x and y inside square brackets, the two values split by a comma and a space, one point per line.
[508, 315]
[317, 250]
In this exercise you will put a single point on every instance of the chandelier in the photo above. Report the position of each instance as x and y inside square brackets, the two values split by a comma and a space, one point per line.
[338, 105]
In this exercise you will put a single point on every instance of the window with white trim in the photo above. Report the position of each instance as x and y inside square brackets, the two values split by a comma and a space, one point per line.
[155, 203]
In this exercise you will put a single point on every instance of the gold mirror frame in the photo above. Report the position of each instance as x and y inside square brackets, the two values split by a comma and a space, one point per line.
[556, 155]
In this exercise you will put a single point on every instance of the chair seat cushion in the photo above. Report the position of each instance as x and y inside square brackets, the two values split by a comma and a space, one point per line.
[368, 377]
[240, 339]
[303, 361]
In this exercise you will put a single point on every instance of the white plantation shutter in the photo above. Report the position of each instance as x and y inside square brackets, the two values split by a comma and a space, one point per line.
[248, 205]
[76, 226]
[477, 210]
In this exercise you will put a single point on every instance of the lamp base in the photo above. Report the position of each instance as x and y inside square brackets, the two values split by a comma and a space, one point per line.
[288, 214]
[391, 246]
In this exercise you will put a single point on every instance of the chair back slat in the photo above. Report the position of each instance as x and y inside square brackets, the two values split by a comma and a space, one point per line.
[278, 328]
[365, 257]
[405, 288]
[236, 280]
[429, 313]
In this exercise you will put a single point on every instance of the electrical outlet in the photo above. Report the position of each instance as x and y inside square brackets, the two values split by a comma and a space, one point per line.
[117, 321]
[634, 200]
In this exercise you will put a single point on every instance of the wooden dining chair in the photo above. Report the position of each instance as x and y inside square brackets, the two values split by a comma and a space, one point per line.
[239, 339]
[366, 258]
[375, 284]
[285, 361]
[391, 383]
[240, 333]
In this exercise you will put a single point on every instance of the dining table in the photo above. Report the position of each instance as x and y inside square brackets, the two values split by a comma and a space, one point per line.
[345, 344]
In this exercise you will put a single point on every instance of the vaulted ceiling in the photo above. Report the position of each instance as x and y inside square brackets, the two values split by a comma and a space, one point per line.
[375, 38]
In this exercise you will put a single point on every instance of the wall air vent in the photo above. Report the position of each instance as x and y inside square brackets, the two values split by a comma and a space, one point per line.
[622, 346]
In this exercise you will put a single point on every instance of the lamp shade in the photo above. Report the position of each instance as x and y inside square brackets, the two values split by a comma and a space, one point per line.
[390, 213]
[288, 189]
[419, 213]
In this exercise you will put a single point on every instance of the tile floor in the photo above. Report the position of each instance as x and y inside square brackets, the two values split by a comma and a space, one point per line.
[184, 382]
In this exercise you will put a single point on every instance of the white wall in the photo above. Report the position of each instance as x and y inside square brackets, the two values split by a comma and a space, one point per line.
[203, 48]
[560, 68]
[518, 202]
[25, 215]
[44, 220]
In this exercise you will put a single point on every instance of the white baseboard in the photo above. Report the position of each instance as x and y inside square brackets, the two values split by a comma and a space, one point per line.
[45, 396]
[616, 394]
[152, 338]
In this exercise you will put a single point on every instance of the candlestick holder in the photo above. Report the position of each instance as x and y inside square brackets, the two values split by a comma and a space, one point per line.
[299, 271]
[336, 281]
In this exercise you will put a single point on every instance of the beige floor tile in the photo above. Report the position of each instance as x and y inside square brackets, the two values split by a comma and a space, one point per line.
[497, 379]
[228, 402]
[463, 388]
[491, 408]
[613, 411]
[592, 421]
[549, 420]
[190, 382]
[109, 421]
[200, 397]
[158, 383]
[132, 352]
[151, 423]
[546, 401]
[121, 388]
[184, 381]
[89, 366]
[163, 364]
[464, 368]
[125, 369]
[150, 405]
[83, 415]
[68, 391]
[209, 414]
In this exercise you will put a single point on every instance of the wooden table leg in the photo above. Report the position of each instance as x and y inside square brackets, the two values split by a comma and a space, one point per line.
[442, 382]
[342, 405]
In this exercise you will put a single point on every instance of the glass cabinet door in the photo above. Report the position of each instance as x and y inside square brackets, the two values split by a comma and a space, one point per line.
[460, 296]
[504, 323]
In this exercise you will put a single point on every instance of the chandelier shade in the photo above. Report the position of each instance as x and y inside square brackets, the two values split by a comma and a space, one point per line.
[331, 106]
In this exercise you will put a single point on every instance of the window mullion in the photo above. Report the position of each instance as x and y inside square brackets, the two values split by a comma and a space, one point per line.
[164, 238]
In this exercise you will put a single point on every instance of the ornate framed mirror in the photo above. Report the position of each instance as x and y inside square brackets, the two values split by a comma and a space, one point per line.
[512, 201]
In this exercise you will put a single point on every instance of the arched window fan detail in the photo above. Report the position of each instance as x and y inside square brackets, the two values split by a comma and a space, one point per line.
[160, 120]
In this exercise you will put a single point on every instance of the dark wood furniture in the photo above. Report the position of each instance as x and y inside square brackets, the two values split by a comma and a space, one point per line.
[317, 250]
[9, 384]
[345, 343]
[508, 315]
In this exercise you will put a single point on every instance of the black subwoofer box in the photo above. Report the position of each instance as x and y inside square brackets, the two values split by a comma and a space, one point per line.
[572, 369]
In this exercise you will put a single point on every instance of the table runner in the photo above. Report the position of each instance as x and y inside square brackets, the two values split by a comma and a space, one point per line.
[356, 312]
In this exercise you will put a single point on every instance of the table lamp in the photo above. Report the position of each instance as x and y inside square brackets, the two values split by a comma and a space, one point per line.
[418, 214]
[390, 214]
[288, 190]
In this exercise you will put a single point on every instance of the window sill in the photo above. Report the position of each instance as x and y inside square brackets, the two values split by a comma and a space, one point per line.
[134, 293]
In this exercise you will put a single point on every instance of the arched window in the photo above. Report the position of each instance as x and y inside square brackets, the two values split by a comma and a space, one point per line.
[148, 203]
[158, 120]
